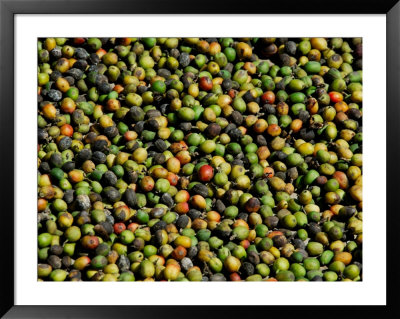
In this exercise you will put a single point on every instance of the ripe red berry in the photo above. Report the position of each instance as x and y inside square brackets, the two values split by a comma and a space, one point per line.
[235, 276]
[205, 83]
[268, 97]
[206, 173]
[119, 228]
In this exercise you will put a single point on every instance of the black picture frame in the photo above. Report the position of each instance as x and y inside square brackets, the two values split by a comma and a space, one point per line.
[9, 8]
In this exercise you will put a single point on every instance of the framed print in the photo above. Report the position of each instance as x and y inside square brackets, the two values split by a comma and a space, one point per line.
[156, 152]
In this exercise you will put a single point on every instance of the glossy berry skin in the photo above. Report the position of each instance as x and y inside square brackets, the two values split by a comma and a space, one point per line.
[206, 173]
[205, 83]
